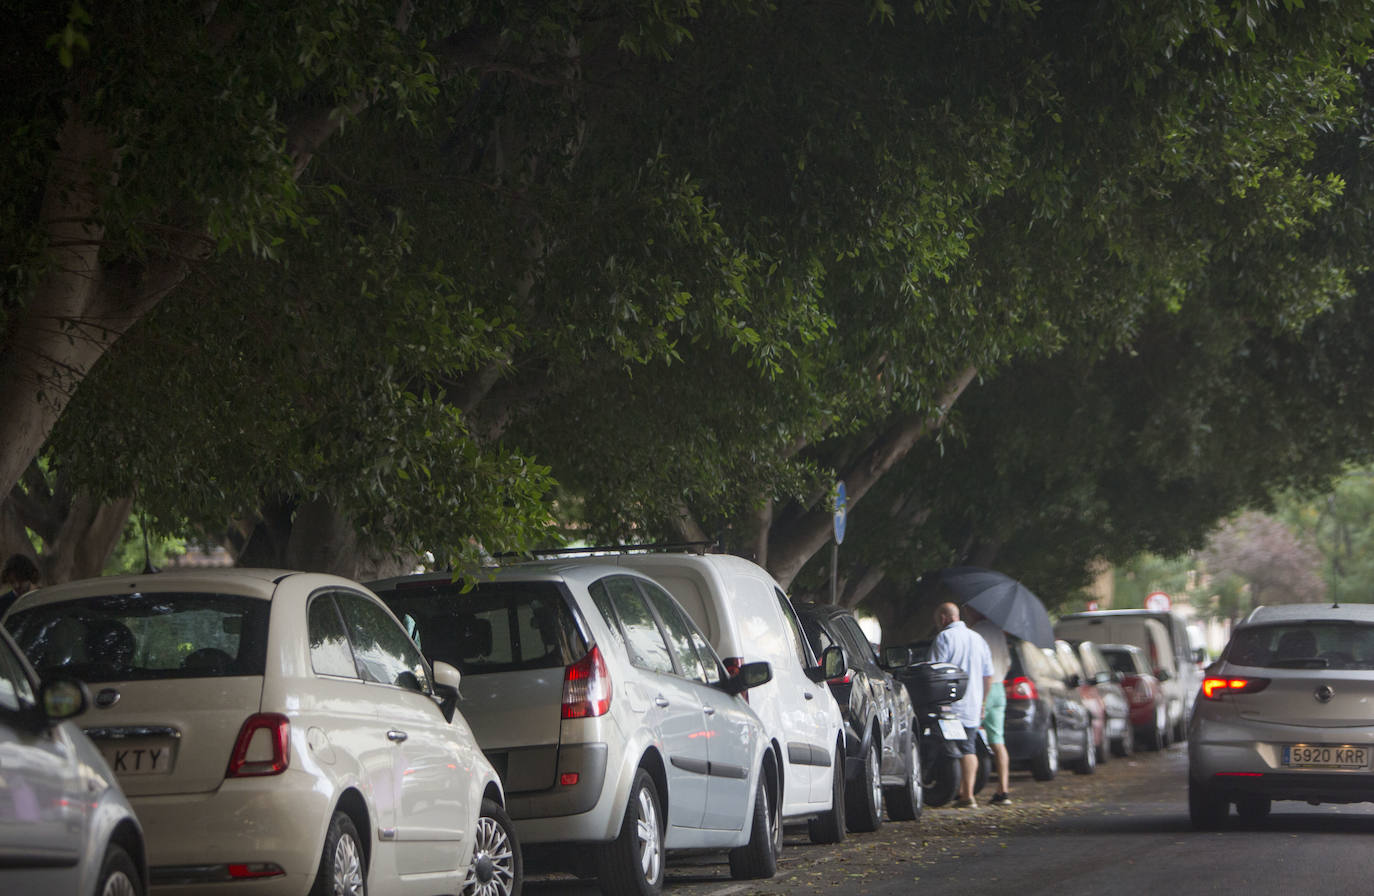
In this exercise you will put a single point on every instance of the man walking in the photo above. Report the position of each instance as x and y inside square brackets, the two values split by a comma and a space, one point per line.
[960, 645]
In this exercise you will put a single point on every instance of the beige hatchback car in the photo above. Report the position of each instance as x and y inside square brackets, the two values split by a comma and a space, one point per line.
[277, 733]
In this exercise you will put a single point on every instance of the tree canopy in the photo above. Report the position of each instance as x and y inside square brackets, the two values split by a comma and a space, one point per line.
[1038, 283]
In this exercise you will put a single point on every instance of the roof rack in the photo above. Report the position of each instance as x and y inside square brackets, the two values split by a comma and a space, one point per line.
[682, 547]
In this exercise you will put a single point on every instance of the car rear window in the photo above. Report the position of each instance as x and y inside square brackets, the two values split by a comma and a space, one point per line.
[1304, 645]
[494, 627]
[145, 636]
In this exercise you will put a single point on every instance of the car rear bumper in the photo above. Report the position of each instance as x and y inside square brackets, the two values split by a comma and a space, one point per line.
[194, 838]
[1244, 759]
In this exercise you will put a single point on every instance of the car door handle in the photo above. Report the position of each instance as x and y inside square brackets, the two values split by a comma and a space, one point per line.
[708, 709]
[660, 700]
[396, 736]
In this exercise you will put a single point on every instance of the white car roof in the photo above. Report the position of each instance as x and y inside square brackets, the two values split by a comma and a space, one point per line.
[1323, 612]
[253, 582]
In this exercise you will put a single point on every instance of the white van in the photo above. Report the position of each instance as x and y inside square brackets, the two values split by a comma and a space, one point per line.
[746, 616]
[1164, 639]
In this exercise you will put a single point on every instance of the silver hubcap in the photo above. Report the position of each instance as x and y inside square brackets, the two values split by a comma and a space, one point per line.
[348, 868]
[918, 795]
[492, 871]
[1052, 749]
[118, 884]
[650, 845]
[875, 779]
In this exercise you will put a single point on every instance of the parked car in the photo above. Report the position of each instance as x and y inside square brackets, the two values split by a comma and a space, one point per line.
[611, 719]
[277, 731]
[1168, 646]
[65, 826]
[747, 616]
[1074, 676]
[1284, 714]
[1047, 723]
[1149, 712]
[1119, 732]
[881, 748]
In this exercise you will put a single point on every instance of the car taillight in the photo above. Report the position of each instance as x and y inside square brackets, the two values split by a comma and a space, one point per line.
[263, 747]
[1216, 688]
[1020, 688]
[587, 687]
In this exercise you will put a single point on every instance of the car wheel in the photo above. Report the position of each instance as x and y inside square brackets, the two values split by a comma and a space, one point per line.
[632, 863]
[495, 869]
[864, 803]
[828, 827]
[906, 802]
[343, 869]
[1044, 765]
[759, 857]
[1207, 808]
[1158, 736]
[1087, 763]
[1253, 807]
[1125, 744]
[118, 874]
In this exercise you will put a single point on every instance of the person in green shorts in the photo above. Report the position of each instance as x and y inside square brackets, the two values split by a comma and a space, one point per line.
[995, 707]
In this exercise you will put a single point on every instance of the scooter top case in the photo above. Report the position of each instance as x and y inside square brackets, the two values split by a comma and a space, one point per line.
[933, 684]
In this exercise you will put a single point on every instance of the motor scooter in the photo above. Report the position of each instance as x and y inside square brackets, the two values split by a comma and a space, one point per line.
[933, 688]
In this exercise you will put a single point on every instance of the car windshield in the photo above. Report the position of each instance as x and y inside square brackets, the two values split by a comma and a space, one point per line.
[1304, 645]
[145, 636]
[494, 627]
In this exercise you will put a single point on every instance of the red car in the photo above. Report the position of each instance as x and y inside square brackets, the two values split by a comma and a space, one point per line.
[1149, 710]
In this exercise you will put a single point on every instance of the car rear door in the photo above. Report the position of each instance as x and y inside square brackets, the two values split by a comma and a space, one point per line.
[512, 642]
[730, 731]
[666, 702]
[174, 676]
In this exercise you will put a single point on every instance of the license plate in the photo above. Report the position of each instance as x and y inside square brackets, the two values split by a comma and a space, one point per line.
[128, 760]
[1325, 756]
[952, 729]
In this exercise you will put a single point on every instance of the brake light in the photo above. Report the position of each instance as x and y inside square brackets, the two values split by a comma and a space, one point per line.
[587, 687]
[846, 678]
[1020, 688]
[263, 747]
[1216, 688]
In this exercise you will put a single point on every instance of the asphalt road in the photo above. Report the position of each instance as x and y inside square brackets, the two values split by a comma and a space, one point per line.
[1122, 831]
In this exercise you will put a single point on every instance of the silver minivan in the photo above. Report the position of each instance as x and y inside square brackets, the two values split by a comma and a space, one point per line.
[615, 727]
[747, 617]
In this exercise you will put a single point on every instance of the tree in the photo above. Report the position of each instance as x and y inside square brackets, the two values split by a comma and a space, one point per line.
[694, 281]
[1268, 556]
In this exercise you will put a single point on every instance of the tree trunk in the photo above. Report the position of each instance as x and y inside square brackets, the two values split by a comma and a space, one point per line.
[789, 551]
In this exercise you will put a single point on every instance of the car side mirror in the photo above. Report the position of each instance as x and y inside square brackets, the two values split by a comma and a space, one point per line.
[1200, 656]
[1073, 681]
[1163, 674]
[898, 657]
[832, 665]
[750, 675]
[446, 680]
[62, 698]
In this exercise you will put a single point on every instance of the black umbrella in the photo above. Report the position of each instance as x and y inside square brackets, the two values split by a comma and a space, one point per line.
[1007, 603]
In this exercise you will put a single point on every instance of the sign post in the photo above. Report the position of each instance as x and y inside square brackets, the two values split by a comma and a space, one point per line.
[840, 509]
